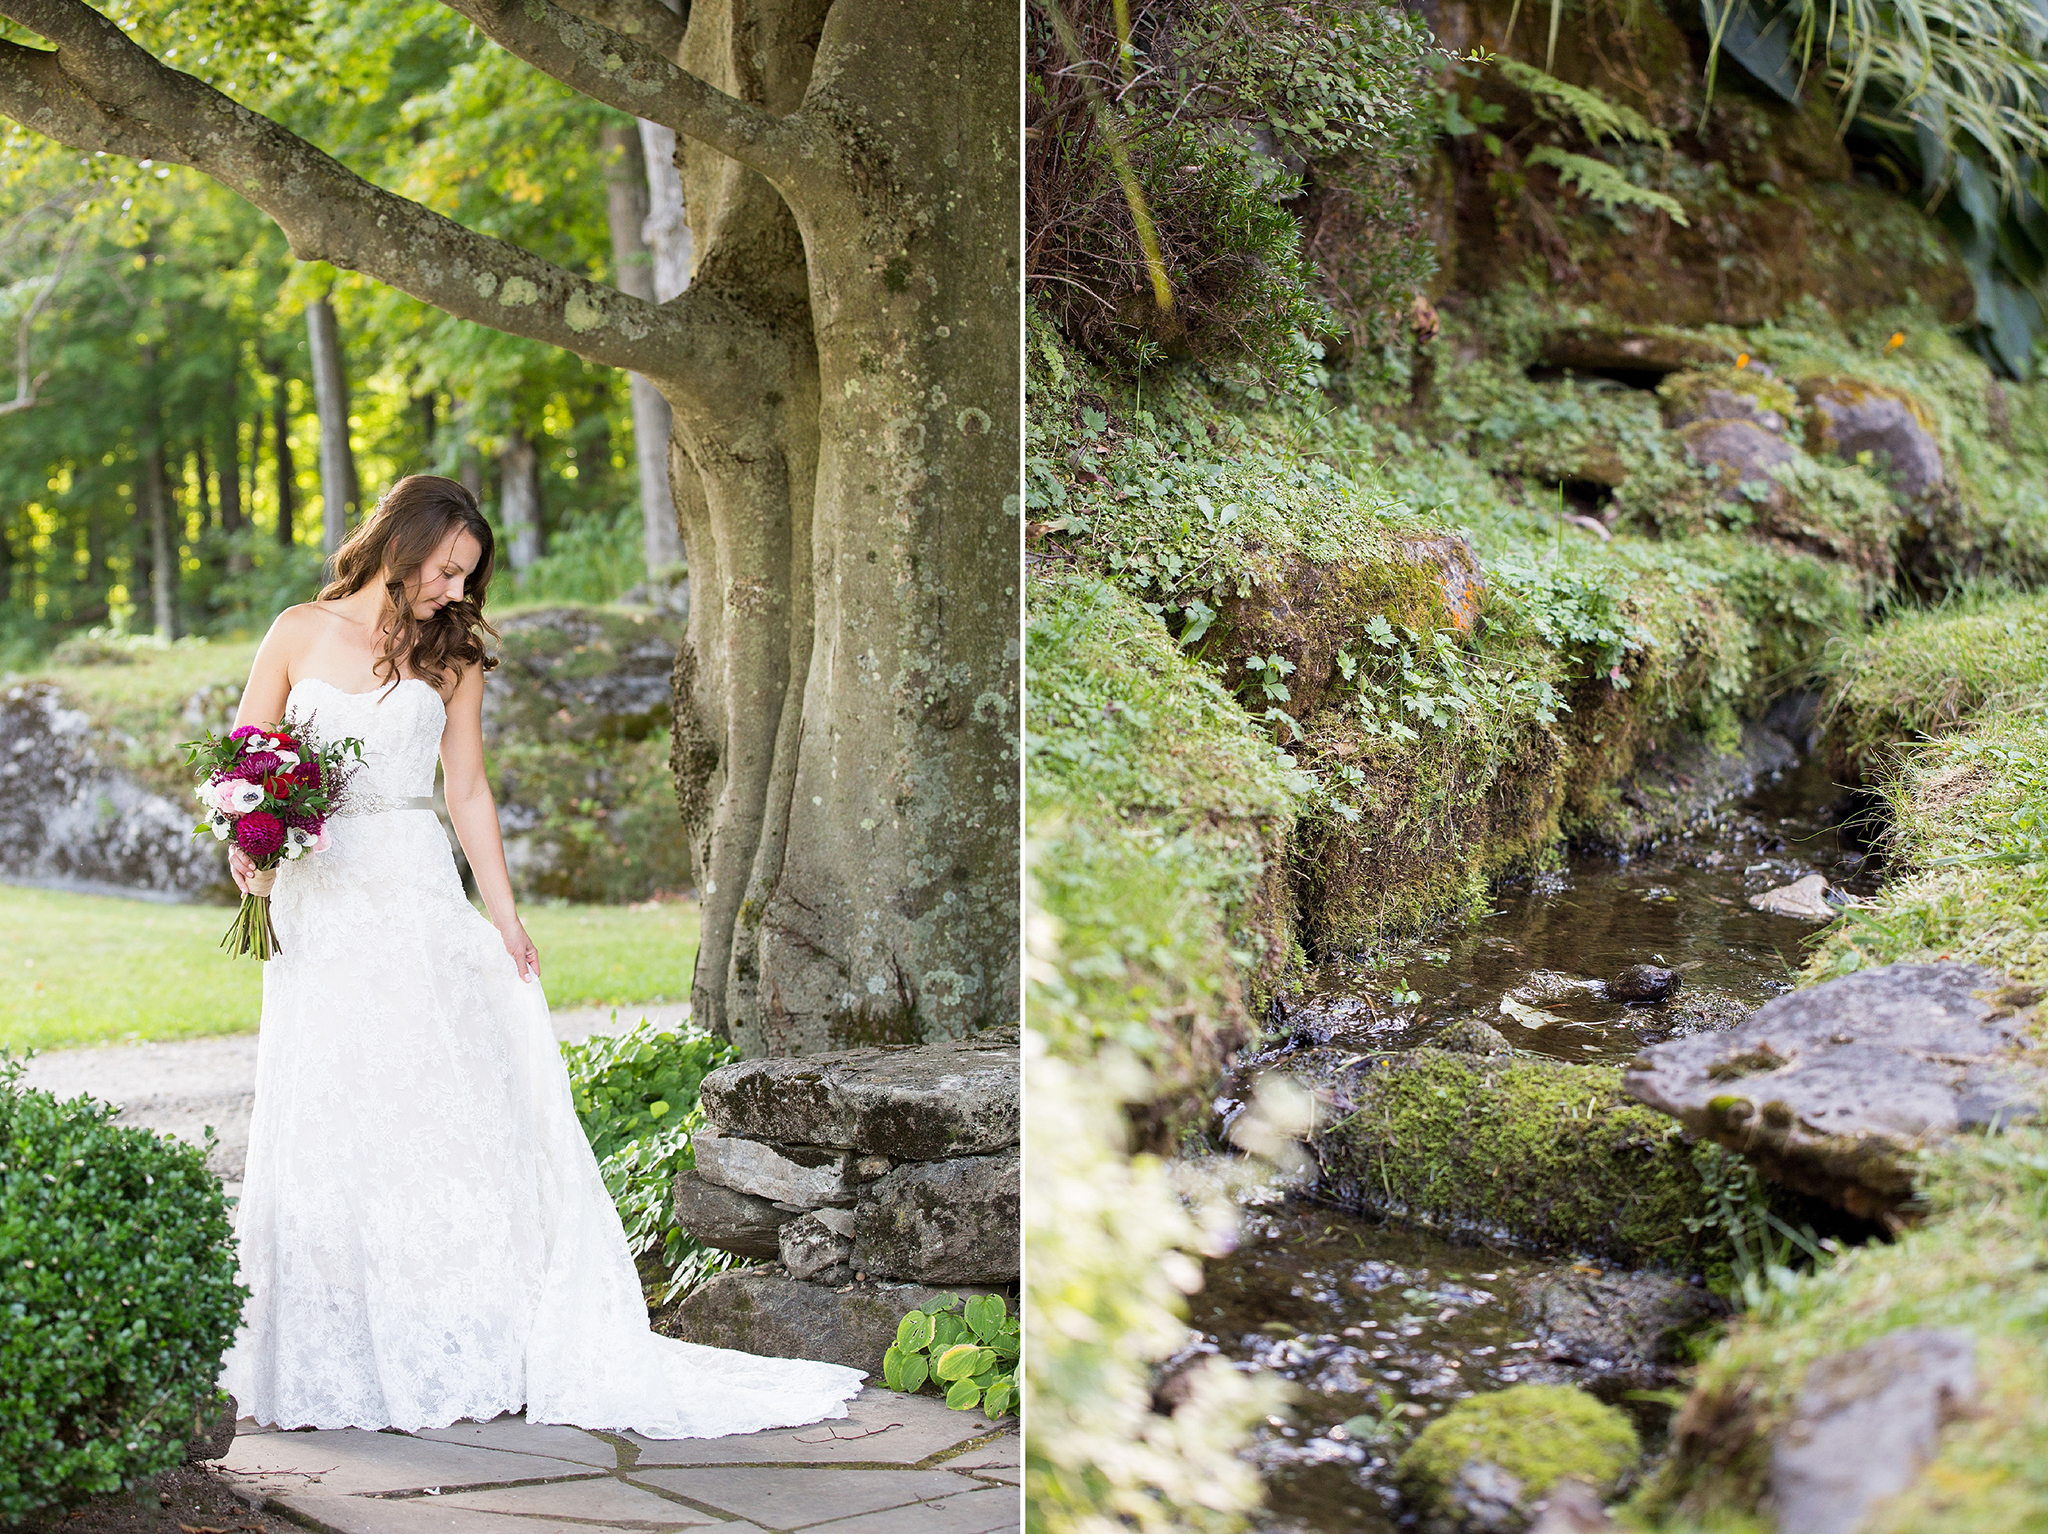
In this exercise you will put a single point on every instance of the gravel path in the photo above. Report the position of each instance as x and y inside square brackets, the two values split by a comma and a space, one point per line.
[179, 1087]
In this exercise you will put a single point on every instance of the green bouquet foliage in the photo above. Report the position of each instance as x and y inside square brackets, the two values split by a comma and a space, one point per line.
[117, 1298]
[969, 1349]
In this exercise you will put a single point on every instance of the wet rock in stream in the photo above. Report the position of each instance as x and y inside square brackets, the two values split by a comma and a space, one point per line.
[1630, 1325]
[1831, 1090]
[1469, 1036]
[1804, 899]
[1641, 983]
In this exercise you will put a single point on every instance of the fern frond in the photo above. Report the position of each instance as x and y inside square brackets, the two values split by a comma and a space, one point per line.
[1596, 116]
[1604, 184]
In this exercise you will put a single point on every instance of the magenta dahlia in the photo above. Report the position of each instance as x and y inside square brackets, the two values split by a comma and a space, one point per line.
[259, 833]
[258, 765]
[244, 732]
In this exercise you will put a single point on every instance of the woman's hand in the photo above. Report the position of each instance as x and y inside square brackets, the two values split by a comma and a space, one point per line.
[250, 879]
[520, 946]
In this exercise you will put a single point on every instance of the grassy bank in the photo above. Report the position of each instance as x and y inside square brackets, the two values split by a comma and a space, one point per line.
[1942, 710]
[92, 969]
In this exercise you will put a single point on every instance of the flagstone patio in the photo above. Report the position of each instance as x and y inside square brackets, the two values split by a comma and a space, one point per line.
[896, 1464]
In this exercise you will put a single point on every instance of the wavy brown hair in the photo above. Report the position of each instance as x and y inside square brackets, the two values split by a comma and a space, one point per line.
[401, 534]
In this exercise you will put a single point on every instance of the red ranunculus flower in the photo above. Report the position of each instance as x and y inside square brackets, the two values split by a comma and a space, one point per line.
[259, 833]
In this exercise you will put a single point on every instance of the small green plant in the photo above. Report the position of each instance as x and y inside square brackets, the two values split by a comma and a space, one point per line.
[1605, 184]
[636, 1095]
[968, 1348]
[628, 1085]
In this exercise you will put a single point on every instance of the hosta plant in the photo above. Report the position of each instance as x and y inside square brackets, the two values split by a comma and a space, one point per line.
[968, 1349]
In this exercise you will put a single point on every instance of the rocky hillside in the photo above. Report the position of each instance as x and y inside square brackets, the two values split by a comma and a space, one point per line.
[94, 793]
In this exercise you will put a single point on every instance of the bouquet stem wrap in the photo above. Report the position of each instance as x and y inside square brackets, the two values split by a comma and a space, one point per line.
[252, 932]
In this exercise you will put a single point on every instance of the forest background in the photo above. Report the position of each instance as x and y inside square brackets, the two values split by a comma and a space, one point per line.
[168, 392]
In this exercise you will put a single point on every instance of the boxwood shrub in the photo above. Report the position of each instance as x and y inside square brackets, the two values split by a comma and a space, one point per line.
[117, 1298]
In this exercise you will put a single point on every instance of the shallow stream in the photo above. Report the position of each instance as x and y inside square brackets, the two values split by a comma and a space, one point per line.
[1382, 1327]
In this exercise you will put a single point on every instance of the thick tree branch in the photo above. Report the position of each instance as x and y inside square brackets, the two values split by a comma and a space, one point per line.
[647, 21]
[101, 91]
[634, 77]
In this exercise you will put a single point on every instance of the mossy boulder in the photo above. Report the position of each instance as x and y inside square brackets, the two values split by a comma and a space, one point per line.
[576, 725]
[1314, 612]
[1748, 393]
[1862, 422]
[1547, 1155]
[1485, 1465]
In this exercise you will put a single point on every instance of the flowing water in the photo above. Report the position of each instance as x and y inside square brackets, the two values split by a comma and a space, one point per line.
[1382, 1327]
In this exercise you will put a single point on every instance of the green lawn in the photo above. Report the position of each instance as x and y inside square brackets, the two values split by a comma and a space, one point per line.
[88, 969]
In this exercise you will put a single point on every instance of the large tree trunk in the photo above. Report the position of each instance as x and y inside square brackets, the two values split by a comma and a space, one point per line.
[519, 499]
[153, 500]
[633, 262]
[845, 746]
[338, 492]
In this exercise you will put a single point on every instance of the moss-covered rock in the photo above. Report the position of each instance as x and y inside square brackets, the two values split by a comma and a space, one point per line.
[1545, 1154]
[1775, 214]
[1484, 1465]
[1744, 393]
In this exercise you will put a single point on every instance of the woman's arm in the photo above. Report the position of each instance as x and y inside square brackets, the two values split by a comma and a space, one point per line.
[270, 678]
[475, 815]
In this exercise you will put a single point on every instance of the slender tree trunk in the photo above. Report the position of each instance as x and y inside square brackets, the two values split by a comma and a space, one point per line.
[338, 491]
[281, 430]
[154, 504]
[519, 506]
[229, 451]
[430, 427]
[97, 576]
[204, 471]
[232, 517]
[667, 230]
[653, 422]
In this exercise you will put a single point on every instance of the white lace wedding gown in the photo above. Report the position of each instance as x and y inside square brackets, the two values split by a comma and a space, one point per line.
[422, 1224]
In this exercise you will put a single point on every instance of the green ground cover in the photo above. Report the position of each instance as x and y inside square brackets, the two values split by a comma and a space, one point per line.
[95, 969]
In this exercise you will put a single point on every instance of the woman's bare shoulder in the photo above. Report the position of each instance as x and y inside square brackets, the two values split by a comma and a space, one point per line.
[303, 618]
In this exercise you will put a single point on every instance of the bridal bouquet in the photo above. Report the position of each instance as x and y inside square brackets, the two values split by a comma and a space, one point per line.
[269, 788]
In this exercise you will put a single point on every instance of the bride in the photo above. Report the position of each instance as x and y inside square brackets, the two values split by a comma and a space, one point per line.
[422, 1227]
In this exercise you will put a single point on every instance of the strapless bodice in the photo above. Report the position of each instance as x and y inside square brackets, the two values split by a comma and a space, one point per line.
[400, 728]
